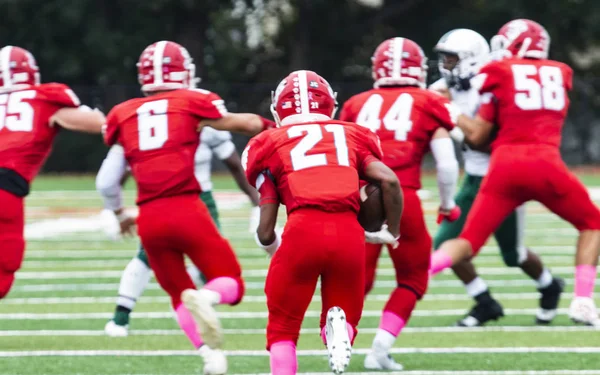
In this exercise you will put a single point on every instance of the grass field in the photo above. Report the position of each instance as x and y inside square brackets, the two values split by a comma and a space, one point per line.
[52, 322]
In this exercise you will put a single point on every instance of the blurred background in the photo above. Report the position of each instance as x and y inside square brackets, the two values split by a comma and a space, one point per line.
[242, 48]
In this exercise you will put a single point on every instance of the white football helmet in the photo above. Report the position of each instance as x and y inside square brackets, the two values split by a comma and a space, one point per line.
[462, 52]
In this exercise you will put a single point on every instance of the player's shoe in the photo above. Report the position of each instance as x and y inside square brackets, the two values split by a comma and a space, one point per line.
[549, 301]
[200, 304]
[112, 329]
[481, 313]
[338, 342]
[583, 311]
[381, 360]
[215, 362]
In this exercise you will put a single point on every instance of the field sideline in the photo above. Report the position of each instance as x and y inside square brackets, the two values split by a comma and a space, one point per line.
[52, 321]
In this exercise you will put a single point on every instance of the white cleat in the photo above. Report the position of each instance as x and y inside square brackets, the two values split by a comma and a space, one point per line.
[583, 311]
[338, 342]
[215, 362]
[380, 360]
[200, 304]
[112, 329]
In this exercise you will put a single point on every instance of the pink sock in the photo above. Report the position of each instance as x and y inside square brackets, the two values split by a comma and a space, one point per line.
[585, 277]
[283, 358]
[188, 325]
[348, 328]
[391, 323]
[439, 262]
[227, 287]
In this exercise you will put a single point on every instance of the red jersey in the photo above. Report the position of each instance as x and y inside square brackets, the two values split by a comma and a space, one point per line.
[527, 100]
[160, 135]
[405, 119]
[313, 164]
[26, 134]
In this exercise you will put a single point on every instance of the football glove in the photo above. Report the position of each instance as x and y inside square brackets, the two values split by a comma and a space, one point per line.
[383, 236]
[449, 215]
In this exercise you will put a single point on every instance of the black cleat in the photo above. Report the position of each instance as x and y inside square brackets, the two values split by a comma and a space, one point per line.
[485, 310]
[549, 301]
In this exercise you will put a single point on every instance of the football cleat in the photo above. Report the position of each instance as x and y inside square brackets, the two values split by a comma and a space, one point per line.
[482, 313]
[199, 303]
[583, 311]
[112, 329]
[549, 301]
[381, 360]
[215, 362]
[338, 342]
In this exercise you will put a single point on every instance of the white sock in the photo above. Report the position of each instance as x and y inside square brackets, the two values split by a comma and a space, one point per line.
[476, 287]
[544, 280]
[383, 341]
[134, 280]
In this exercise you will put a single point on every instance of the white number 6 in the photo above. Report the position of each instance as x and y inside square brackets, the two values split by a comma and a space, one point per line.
[153, 126]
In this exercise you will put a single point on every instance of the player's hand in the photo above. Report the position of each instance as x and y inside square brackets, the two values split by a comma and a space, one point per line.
[450, 215]
[126, 222]
[383, 236]
[272, 247]
[254, 219]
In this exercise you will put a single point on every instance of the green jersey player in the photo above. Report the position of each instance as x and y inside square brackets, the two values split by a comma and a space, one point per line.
[462, 53]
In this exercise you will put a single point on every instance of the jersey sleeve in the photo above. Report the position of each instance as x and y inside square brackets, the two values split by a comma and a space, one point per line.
[442, 111]
[206, 105]
[108, 179]
[267, 190]
[369, 149]
[253, 158]
[59, 94]
[487, 107]
[490, 78]
[110, 130]
[219, 141]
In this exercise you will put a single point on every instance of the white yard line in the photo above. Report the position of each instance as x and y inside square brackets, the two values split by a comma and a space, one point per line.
[264, 353]
[235, 315]
[259, 331]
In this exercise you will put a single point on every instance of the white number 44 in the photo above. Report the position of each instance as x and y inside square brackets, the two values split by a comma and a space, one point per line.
[396, 119]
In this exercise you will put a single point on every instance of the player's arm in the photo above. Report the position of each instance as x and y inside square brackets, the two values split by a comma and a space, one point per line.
[266, 236]
[393, 201]
[81, 119]
[477, 131]
[446, 164]
[246, 123]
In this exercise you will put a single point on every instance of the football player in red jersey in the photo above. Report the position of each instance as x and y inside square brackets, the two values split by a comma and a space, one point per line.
[410, 121]
[159, 135]
[31, 115]
[526, 101]
[312, 164]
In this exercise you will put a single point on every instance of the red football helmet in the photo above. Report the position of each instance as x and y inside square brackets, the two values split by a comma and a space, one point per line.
[521, 38]
[303, 92]
[166, 65]
[399, 61]
[18, 69]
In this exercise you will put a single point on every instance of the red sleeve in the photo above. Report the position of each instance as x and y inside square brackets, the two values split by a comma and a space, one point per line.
[346, 114]
[369, 148]
[490, 78]
[110, 130]
[253, 158]
[206, 104]
[488, 107]
[439, 109]
[59, 94]
[267, 190]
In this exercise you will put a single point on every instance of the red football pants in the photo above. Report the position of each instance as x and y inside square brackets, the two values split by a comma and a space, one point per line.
[12, 242]
[411, 258]
[519, 174]
[315, 243]
[176, 226]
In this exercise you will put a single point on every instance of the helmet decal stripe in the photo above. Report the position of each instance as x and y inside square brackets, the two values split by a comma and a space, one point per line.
[157, 61]
[303, 86]
[397, 49]
[5, 65]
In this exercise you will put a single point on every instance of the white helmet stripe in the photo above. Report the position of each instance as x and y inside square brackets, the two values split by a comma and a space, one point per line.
[157, 61]
[5, 65]
[303, 86]
[397, 49]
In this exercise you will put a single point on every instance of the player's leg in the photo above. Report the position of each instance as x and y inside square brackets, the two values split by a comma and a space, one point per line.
[12, 242]
[342, 283]
[570, 200]
[510, 238]
[134, 280]
[373, 251]
[486, 307]
[289, 288]
[411, 262]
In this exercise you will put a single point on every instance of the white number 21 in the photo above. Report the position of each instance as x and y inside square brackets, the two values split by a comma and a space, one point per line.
[313, 135]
